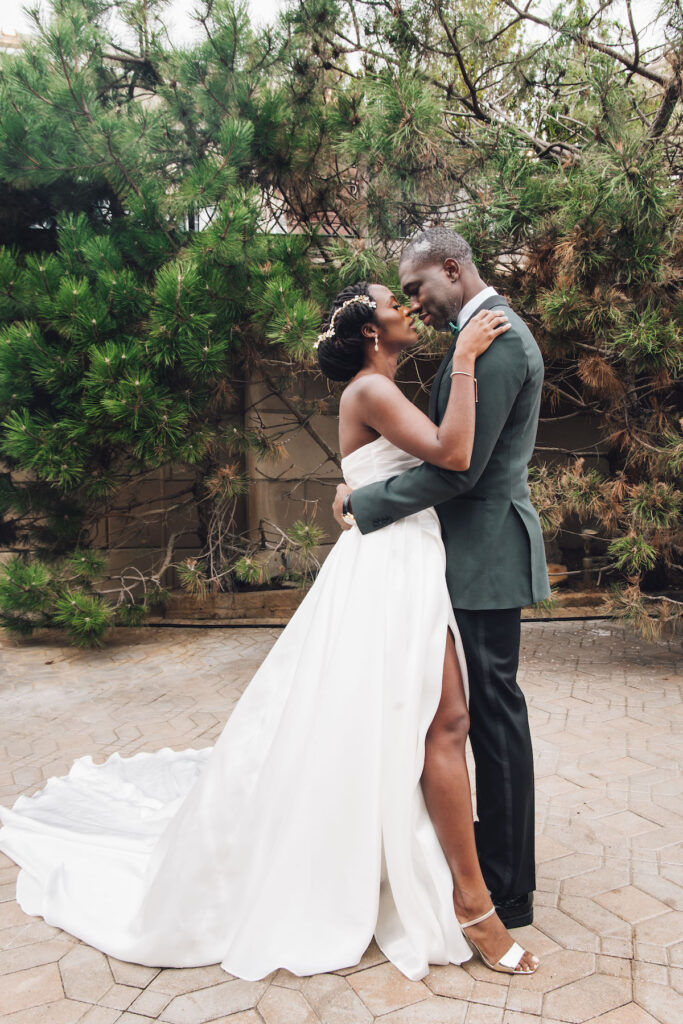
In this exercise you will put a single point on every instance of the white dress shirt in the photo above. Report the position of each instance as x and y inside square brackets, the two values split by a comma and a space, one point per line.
[471, 307]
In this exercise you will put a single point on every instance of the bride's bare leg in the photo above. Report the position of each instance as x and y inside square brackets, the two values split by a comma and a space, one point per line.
[446, 788]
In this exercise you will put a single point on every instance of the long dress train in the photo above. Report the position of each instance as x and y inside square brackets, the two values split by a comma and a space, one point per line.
[303, 831]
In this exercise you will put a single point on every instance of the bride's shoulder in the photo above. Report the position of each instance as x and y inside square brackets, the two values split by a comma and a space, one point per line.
[368, 385]
[370, 394]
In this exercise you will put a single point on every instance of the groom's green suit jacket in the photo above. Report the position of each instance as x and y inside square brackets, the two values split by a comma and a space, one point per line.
[494, 546]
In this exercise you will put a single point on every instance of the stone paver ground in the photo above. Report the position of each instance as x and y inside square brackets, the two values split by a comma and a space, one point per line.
[606, 717]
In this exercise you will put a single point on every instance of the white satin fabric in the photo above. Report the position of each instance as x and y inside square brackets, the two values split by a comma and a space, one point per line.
[304, 830]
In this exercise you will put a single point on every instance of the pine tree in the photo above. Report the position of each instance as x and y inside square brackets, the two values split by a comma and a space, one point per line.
[177, 220]
[560, 160]
[127, 323]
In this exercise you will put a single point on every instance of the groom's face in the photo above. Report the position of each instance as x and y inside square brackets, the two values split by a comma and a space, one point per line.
[434, 290]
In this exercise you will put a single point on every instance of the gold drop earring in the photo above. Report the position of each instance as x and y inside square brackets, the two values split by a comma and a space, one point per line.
[377, 343]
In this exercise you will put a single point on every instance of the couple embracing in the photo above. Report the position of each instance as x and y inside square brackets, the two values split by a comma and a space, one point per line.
[335, 804]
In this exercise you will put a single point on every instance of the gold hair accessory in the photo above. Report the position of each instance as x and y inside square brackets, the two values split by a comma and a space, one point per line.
[329, 333]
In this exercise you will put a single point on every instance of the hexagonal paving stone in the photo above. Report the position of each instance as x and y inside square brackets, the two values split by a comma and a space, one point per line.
[246, 1017]
[556, 970]
[601, 880]
[605, 711]
[176, 981]
[435, 1011]
[285, 979]
[663, 930]
[24, 989]
[101, 1015]
[631, 903]
[217, 1000]
[285, 1006]
[630, 1013]
[64, 1011]
[593, 916]
[661, 1001]
[587, 998]
[565, 930]
[334, 1000]
[33, 954]
[119, 997]
[629, 824]
[150, 1003]
[484, 1015]
[85, 974]
[450, 980]
[384, 988]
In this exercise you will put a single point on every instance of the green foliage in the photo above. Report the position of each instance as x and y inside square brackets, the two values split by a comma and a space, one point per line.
[649, 339]
[305, 536]
[60, 594]
[632, 554]
[654, 506]
[83, 617]
[24, 587]
[177, 220]
[249, 570]
[302, 539]
[192, 578]
[131, 614]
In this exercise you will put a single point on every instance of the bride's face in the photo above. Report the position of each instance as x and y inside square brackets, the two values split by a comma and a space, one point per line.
[393, 322]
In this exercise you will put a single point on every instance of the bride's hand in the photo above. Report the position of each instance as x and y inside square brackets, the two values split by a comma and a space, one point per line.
[480, 331]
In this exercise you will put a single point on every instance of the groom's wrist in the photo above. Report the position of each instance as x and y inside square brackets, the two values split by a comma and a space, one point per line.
[347, 512]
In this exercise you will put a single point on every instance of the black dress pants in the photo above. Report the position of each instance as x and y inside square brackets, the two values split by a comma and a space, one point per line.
[501, 744]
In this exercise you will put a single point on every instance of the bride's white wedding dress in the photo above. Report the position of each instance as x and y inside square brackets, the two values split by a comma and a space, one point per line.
[304, 831]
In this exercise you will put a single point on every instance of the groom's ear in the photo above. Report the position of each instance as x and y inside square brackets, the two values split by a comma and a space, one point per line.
[451, 268]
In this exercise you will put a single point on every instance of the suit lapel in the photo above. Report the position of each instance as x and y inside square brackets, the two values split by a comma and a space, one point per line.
[491, 303]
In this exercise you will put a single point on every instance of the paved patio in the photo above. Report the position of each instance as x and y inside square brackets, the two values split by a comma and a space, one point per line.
[606, 717]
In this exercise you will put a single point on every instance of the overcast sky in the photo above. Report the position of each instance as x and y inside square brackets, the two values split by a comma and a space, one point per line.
[181, 27]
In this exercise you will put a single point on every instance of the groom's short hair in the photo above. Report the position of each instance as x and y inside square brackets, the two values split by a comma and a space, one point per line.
[434, 245]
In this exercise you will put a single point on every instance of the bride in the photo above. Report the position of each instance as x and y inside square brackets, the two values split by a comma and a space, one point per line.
[336, 803]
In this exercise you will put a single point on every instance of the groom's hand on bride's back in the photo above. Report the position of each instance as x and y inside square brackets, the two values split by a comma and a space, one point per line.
[342, 491]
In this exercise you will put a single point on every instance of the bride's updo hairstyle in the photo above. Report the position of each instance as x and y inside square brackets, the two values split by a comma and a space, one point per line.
[341, 346]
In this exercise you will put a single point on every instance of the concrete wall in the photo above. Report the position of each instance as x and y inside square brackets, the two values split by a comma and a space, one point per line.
[139, 540]
[299, 486]
[294, 495]
[306, 478]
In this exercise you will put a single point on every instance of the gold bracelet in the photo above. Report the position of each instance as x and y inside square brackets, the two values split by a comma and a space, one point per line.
[463, 373]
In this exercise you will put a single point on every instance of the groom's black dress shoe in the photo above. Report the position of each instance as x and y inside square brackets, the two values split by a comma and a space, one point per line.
[515, 911]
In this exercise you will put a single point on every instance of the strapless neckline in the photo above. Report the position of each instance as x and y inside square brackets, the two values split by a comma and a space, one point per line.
[369, 444]
[374, 461]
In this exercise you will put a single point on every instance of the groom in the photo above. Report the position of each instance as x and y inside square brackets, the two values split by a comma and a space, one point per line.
[495, 560]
